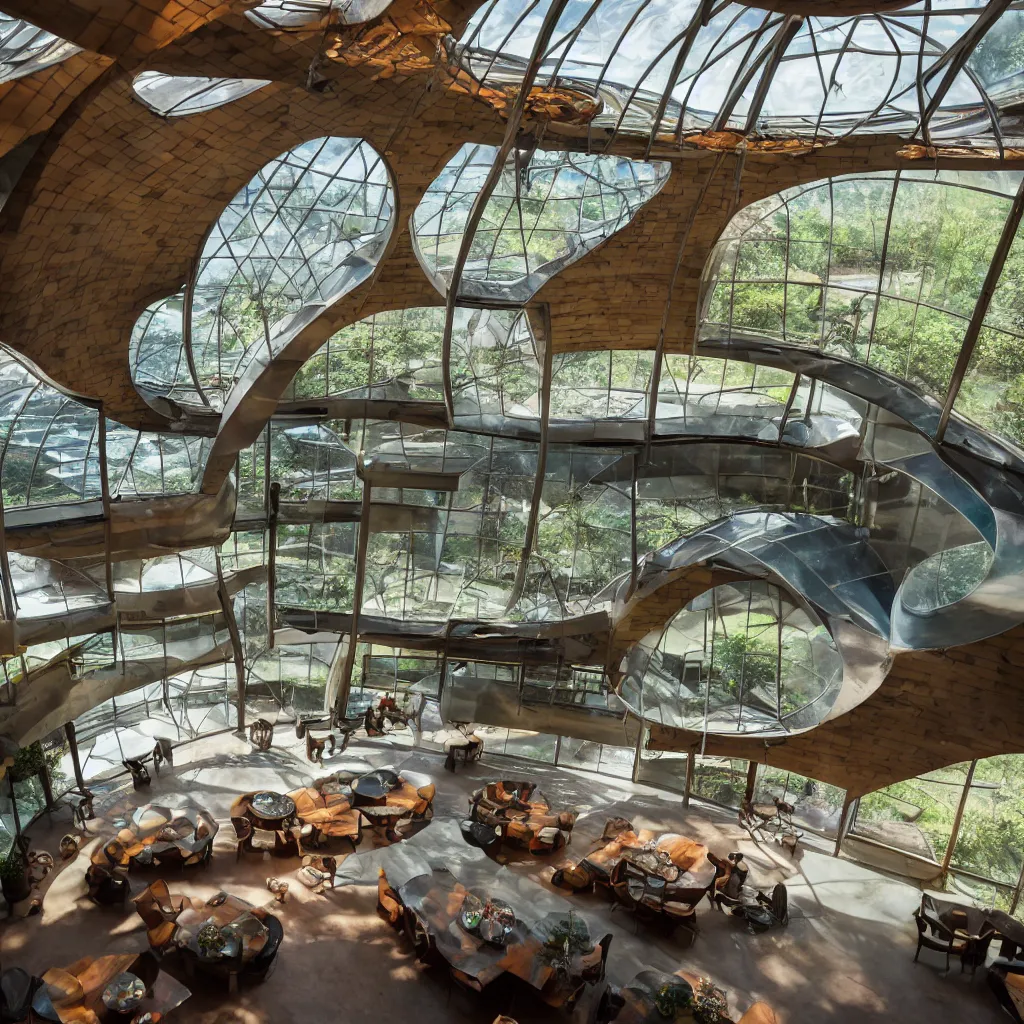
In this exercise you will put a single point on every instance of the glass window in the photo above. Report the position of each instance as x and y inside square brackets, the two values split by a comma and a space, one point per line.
[991, 838]
[739, 658]
[179, 95]
[818, 806]
[884, 269]
[546, 211]
[915, 816]
[25, 49]
[722, 780]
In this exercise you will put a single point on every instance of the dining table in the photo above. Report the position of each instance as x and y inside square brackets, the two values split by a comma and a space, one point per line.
[679, 863]
[159, 835]
[383, 787]
[979, 920]
[84, 992]
[550, 953]
[271, 807]
[675, 859]
[654, 997]
[242, 933]
[386, 817]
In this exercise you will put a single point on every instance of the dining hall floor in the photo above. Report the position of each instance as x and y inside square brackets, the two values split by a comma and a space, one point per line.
[847, 954]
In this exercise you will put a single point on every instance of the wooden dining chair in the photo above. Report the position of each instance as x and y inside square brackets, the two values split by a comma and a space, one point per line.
[596, 962]
[139, 772]
[315, 747]
[935, 934]
[976, 950]
[243, 834]
[156, 903]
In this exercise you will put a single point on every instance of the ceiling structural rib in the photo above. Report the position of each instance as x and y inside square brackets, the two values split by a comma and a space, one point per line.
[476, 211]
[957, 58]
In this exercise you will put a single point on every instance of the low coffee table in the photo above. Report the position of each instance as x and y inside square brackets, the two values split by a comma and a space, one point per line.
[268, 806]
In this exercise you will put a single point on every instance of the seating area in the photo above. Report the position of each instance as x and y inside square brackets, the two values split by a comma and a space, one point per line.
[496, 931]
[511, 511]
[521, 816]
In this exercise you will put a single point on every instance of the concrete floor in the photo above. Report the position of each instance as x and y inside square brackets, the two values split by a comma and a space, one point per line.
[846, 955]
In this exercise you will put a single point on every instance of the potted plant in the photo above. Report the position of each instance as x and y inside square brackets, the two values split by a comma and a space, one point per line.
[28, 762]
[14, 876]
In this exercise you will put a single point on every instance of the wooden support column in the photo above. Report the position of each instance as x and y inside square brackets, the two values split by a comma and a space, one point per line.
[476, 210]
[530, 536]
[10, 612]
[748, 795]
[272, 514]
[69, 731]
[108, 553]
[637, 759]
[1017, 891]
[844, 817]
[957, 819]
[14, 804]
[691, 759]
[633, 567]
[238, 651]
[659, 348]
[44, 781]
[345, 685]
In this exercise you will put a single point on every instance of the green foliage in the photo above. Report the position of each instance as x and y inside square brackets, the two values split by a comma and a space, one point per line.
[28, 761]
[584, 539]
[567, 937]
[929, 803]
[808, 273]
[720, 783]
[1000, 52]
[383, 347]
[741, 658]
[13, 867]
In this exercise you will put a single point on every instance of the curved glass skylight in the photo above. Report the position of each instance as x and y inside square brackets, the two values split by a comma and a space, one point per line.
[143, 463]
[178, 95]
[742, 658]
[887, 270]
[300, 15]
[308, 228]
[44, 588]
[50, 449]
[25, 48]
[679, 66]
[391, 355]
[156, 355]
[547, 210]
